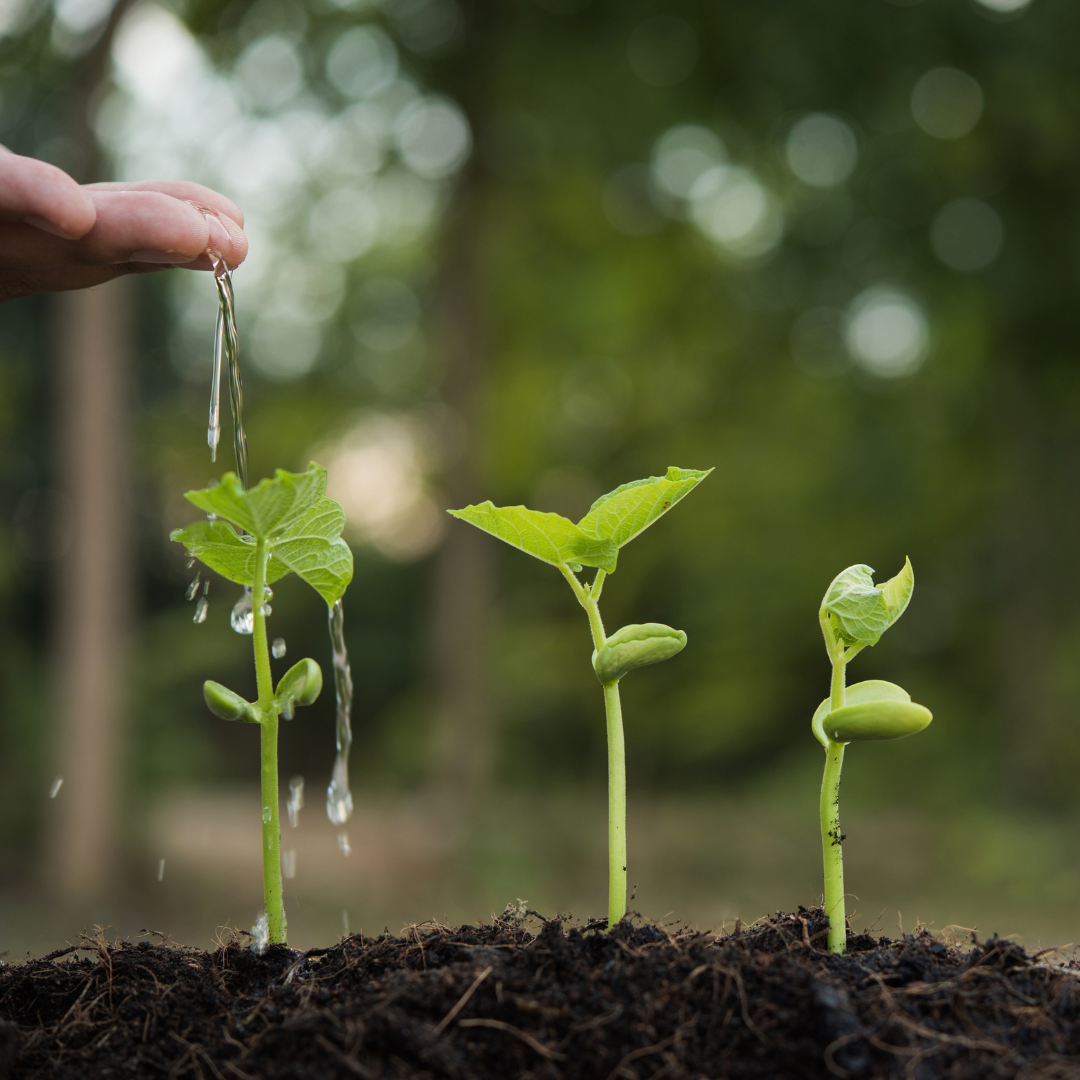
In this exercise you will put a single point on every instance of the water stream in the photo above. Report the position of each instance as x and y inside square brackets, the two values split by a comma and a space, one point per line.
[339, 804]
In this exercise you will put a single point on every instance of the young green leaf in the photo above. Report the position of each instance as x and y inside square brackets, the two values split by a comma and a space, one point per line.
[897, 591]
[858, 694]
[270, 507]
[549, 537]
[630, 509]
[300, 685]
[857, 605]
[875, 721]
[308, 544]
[312, 549]
[228, 704]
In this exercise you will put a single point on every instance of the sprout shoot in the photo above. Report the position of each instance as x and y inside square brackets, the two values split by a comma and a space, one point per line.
[855, 613]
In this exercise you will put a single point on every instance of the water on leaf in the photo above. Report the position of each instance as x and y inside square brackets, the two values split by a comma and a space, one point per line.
[296, 800]
[267, 815]
[57, 784]
[260, 935]
[339, 804]
[200, 610]
[278, 648]
[288, 864]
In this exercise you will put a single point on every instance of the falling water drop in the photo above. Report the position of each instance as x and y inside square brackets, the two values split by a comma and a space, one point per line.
[230, 350]
[296, 800]
[339, 804]
[193, 588]
[200, 610]
[242, 619]
[260, 935]
[288, 863]
[161, 870]
[278, 648]
[343, 842]
[57, 784]
[345, 920]
[190, 563]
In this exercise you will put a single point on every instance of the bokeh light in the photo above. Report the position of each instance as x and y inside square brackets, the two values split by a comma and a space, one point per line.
[682, 154]
[887, 333]
[733, 208]
[946, 103]
[967, 235]
[821, 150]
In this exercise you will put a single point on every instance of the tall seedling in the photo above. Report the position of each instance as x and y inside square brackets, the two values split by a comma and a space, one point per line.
[257, 536]
[855, 613]
[612, 522]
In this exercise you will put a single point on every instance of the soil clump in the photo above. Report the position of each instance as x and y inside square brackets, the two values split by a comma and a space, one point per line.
[552, 1002]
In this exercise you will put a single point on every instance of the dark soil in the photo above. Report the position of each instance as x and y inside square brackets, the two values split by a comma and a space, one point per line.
[499, 1002]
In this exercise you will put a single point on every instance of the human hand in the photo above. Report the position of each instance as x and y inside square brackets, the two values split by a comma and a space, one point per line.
[56, 234]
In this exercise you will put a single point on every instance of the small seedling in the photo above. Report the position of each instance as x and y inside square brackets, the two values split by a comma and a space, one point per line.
[611, 523]
[286, 525]
[855, 613]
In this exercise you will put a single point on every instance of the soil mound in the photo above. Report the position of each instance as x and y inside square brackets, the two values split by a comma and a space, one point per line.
[501, 1002]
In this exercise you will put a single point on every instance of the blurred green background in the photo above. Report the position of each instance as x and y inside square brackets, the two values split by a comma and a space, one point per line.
[526, 251]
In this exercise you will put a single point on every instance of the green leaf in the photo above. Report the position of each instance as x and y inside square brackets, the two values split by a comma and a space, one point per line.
[300, 685]
[858, 608]
[897, 591]
[309, 546]
[875, 721]
[548, 537]
[630, 509]
[313, 550]
[863, 611]
[270, 507]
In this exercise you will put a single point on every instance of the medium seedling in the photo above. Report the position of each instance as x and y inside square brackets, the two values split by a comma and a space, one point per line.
[286, 525]
[611, 523]
[855, 613]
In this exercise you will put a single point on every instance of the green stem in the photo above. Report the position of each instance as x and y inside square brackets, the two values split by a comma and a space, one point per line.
[616, 754]
[832, 850]
[616, 805]
[268, 728]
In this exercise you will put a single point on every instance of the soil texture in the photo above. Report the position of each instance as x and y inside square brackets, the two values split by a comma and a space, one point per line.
[545, 1000]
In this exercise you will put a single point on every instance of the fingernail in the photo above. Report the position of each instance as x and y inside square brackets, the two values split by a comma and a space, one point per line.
[151, 256]
[48, 226]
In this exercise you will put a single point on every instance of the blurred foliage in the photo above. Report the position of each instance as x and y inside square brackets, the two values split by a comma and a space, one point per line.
[622, 339]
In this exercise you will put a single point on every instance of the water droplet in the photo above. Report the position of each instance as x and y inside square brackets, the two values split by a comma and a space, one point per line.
[288, 864]
[278, 648]
[206, 588]
[57, 784]
[242, 618]
[267, 815]
[193, 588]
[211, 517]
[344, 920]
[260, 935]
[191, 562]
[267, 610]
[161, 870]
[268, 594]
[200, 610]
[296, 800]
[343, 842]
[339, 803]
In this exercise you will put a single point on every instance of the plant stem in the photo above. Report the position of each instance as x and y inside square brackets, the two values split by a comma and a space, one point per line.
[268, 728]
[588, 597]
[832, 850]
[616, 805]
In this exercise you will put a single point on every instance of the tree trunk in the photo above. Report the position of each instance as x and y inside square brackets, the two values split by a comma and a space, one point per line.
[94, 584]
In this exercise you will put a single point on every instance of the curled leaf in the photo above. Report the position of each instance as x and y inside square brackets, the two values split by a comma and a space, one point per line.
[862, 611]
[636, 646]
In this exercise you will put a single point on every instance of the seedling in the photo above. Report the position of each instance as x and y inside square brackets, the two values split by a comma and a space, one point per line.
[286, 525]
[611, 523]
[855, 613]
